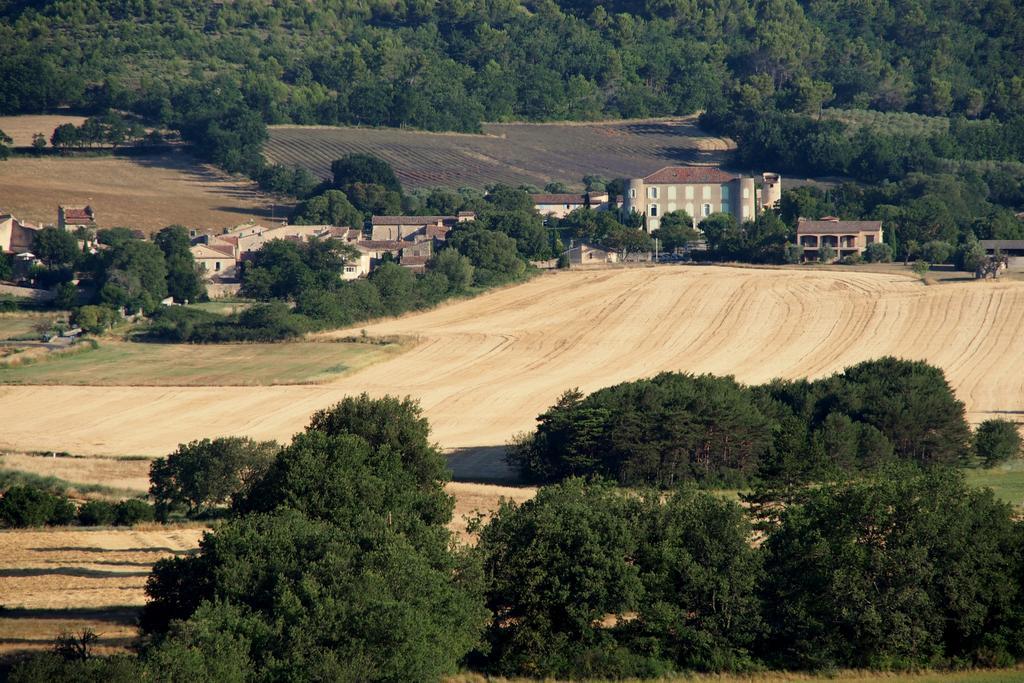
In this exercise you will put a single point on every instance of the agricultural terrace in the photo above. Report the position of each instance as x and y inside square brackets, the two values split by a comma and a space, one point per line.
[510, 153]
[484, 368]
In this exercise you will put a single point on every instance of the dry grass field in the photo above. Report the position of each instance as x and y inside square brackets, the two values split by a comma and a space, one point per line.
[120, 363]
[22, 128]
[513, 153]
[485, 367]
[143, 192]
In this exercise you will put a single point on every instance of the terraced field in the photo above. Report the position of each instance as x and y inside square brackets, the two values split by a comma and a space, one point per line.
[485, 367]
[513, 153]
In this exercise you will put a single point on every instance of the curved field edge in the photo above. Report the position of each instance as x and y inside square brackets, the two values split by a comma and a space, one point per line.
[486, 367]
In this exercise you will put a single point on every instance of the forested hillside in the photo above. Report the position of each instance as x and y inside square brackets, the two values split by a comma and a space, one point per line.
[217, 71]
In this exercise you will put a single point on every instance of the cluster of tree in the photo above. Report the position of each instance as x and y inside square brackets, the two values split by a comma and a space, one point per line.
[894, 572]
[32, 506]
[712, 430]
[448, 66]
[949, 212]
[130, 273]
[336, 562]
[107, 129]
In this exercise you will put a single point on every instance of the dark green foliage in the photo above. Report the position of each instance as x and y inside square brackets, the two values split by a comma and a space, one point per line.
[330, 208]
[493, 254]
[183, 280]
[585, 580]
[55, 247]
[113, 237]
[205, 474]
[336, 564]
[556, 567]
[49, 667]
[676, 427]
[133, 511]
[457, 269]
[5, 140]
[65, 295]
[283, 269]
[996, 441]
[96, 513]
[364, 169]
[29, 506]
[878, 252]
[133, 275]
[676, 231]
[909, 570]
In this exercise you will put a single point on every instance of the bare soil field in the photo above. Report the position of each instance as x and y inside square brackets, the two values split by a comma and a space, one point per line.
[144, 192]
[513, 153]
[120, 363]
[22, 128]
[486, 367]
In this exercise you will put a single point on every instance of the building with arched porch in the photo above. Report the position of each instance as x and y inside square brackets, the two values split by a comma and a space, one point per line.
[845, 238]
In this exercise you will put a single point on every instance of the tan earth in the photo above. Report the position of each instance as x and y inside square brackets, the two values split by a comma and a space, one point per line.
[484, 368]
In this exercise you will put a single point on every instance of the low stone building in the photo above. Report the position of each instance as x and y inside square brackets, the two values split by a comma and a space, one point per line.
[1011, 250]
[587, 254]
[561, 205]
[843, 237]
[415, 228]
[16, 237]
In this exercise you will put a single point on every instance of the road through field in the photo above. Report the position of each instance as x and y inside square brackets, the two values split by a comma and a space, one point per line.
[484, 368]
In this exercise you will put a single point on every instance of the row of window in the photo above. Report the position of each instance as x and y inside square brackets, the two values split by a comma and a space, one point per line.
[652, 192]
[705, 210]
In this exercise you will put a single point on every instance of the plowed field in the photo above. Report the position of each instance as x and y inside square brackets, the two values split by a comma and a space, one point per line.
[484, 368]
[512, 153]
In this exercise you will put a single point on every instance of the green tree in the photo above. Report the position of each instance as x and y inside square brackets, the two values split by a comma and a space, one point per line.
[921, 268]
[557, 567]
[5, 141]
[716, 227]
[330, 208]
[38, 143]
[94, 319]
[456, 268]
[55, 247]
[134, 275]
[927, 561]
[183, 280]
[205, 474]
[676, 231]
[878, 252]
[29, 506]
[493, 254]
[364, 168]
[936, 251]
[996, 441]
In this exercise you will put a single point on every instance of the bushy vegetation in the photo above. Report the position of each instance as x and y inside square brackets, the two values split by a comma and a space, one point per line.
[336, 562]
[30, 505]
[676, 427]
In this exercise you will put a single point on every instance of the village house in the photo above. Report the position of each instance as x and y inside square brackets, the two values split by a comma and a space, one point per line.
[561, 205]
[588, 254]
[699, 191]
[415, 228]
[16, 237]
[845, 238]
[1011, 250]
[71, 218]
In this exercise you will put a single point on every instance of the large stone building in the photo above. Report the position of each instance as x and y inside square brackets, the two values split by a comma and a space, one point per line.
[845, 238]
[699, 191]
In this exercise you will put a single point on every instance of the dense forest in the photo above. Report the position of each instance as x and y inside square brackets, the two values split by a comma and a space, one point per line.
[219, 71]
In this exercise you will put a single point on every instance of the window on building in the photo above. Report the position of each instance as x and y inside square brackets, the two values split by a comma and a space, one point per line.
[671, 207]
[671, 191]
[870, 239]
[652, 192]
[725, 208]
[705, 192]
[216, 265]
[632, 193]
[706, 210]
[653, 210]
[746, 211]
[746, 193]
[689, 191]
[689, 210]
[725, 193]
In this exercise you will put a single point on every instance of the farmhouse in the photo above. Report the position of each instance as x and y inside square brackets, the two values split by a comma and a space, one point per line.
[415, 228]
[1012, 250]
[699, 191]
[561, 205]
[843, 237]
[16, 237]
[583, 254]
[216, 261]
[73, 217]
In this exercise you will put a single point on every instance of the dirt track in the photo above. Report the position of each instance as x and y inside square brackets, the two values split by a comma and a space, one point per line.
[486, 367]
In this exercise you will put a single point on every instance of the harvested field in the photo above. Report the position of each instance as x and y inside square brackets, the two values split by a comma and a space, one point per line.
[120, 363]
[142, 192]
[69, 579]
[513, 153]
[22, 128]
[485, 367]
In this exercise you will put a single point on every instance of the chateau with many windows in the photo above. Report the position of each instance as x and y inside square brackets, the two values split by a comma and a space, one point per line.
[699, 191]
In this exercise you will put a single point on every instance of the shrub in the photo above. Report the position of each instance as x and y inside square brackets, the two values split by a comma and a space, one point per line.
[878, 252]
[996, 441]
[28, 506]
[96, 513]
[132, 511]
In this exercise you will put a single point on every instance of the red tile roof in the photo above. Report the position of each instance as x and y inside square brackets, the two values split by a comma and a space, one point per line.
[689, 174]
[383, 245]
[804, 225]
[558, 198]
[77, 213]
[220, 248]
[409, 220]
